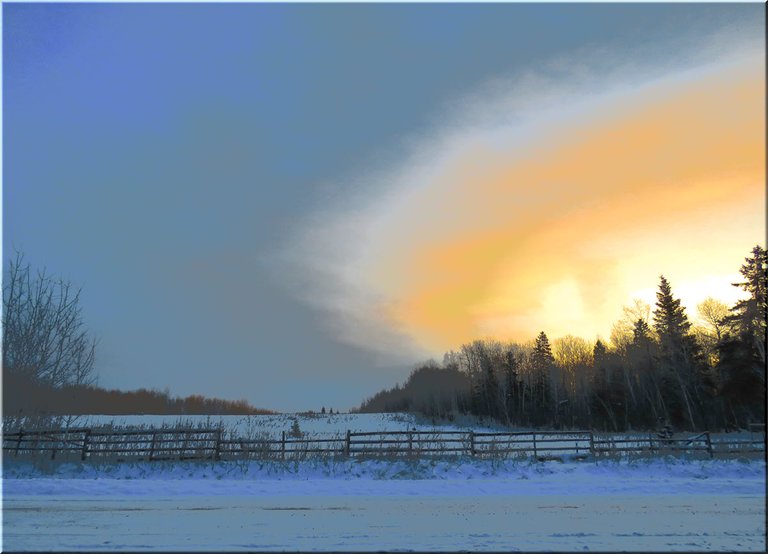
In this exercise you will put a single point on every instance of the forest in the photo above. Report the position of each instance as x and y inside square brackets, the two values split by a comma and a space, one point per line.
[657, 369]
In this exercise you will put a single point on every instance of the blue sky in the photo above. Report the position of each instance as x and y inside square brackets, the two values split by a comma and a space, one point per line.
[162, 156]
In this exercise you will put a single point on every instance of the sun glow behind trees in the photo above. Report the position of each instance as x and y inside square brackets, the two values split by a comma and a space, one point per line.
[568, 231]
[503, 230]
[658, 370]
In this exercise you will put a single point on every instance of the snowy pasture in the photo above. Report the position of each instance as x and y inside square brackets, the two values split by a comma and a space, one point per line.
[312, 424]
[651, 505]
[358, 504]
[288, 436]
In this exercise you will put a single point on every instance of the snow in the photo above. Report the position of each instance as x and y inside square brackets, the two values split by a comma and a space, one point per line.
[416, 522]
[428, 504]
[318, 425]
[341, 504]
[313, 424]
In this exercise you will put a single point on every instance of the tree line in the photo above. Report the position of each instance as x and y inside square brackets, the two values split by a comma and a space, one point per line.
[656, 369]
[49, 357]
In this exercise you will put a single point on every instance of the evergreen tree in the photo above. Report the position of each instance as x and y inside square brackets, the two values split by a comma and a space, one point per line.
[749, 316]
[599, 352]
[742, 350]
[640, 360]
[542, 362]
[600, 357]
[641, 333]
[295, 429]
[669, 319]
[542, 353]
[607, 399]
[680, 357]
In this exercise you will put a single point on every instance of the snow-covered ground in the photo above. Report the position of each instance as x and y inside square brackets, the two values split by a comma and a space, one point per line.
[355, 504]
[312, 425]
[651, 505]
[245, 426]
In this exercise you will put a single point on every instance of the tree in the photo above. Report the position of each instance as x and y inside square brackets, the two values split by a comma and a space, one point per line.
[640, 358]
[670, 321]
[742, 350]
[542, 363]
[641, 333]
[295, 431]
[607, 394]
[44, 338]
[599, 352]
[571, 352]
[680, 355]
[749, 316]
[542, 353]
[513, 387]
[714, 314]
[621, 332]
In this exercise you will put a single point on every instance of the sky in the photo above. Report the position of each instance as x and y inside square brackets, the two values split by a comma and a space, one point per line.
[294, 204]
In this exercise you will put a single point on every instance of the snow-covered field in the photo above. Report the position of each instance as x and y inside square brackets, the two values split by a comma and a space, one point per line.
[355, 504]
[314, 425]
[654, 505]
[244, 426]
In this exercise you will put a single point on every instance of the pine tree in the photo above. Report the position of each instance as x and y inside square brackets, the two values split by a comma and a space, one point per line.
[749, 316]
[669, 319]
[295, 429]
[600, 357]
[542, 362]
[742, 350]
[680, 356]
[640, 360]
[598, 352]
[542, 353]
[641, 333]
[607, 398]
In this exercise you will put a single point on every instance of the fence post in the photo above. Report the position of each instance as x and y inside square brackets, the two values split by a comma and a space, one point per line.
[535, 453]
[410, 443]
[217, 446]
[86, 440]
[591, 443]
[282, 447]
[709, 445]
[650, 441]
[471, 443]
[347, 443]
[152, 446]
[18, 441]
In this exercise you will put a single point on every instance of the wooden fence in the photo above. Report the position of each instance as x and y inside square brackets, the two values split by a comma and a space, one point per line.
[213, 444]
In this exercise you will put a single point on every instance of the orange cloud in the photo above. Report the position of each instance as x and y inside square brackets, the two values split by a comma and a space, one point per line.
[558, 234]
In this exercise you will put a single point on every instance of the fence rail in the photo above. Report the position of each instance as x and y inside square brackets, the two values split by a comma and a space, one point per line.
[212, 444]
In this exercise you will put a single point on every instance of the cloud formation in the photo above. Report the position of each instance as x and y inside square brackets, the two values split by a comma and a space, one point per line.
[545, 203]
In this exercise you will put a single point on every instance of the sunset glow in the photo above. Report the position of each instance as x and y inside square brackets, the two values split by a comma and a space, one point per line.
[506, 238]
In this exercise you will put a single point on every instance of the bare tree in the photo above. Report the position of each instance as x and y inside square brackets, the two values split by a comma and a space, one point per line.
[622, 330]
[44, 338]
[715, 314]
